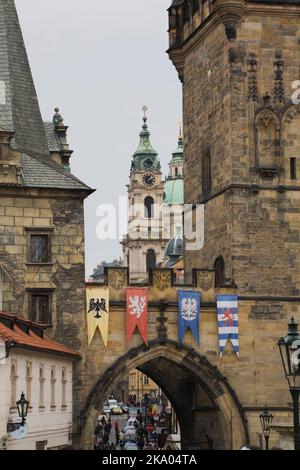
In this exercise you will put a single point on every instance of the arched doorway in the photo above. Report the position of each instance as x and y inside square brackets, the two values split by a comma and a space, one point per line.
[203, 400]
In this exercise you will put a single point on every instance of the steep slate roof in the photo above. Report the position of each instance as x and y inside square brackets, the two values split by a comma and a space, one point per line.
[20, 112]
[41, 172]
[51, 136]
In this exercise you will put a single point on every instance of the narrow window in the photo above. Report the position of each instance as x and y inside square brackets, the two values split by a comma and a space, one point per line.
[219, 267]
[150, 260]
[293, 168]
[64, 388]
[52, 388]
[206, 173]
[28, 381]
[176, 171]
[13, 382]
[40, 307]
[146, 380]
[149, 207]
[42, 387]
[40, 249]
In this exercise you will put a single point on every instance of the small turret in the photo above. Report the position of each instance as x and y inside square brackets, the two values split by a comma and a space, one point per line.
[56, 133]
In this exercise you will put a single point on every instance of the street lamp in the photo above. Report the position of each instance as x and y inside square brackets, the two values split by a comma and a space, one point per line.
[22, 406]
[266, 420]
[290, 355]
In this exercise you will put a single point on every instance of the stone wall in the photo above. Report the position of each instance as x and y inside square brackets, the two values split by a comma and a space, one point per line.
[62, 213]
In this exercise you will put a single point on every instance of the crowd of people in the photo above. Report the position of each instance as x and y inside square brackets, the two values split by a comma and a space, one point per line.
[109, 436]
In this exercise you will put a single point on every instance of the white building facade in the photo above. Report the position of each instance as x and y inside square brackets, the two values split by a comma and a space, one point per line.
[44, 373]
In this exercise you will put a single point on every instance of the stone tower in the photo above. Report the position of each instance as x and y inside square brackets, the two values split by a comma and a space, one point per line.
[238, 62]
[42, 203]
[143, 247]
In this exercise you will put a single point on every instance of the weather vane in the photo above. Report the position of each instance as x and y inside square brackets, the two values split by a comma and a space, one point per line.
[145, 109]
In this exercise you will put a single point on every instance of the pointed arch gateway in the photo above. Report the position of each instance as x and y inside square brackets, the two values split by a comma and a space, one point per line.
[204, 401]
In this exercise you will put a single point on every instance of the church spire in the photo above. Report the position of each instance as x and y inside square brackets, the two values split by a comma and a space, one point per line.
[176, 162]
[145, 157]
[19, 108]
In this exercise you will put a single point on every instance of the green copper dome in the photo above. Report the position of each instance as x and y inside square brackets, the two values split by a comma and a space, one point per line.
[174, 191]
[145, 158]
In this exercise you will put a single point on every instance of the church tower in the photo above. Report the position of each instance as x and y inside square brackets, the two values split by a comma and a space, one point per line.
[143, 247]
[239, 63]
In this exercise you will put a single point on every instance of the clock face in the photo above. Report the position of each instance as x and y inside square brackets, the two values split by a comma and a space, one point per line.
[148, 179]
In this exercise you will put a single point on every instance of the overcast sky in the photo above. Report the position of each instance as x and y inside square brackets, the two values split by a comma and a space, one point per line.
[100, 61]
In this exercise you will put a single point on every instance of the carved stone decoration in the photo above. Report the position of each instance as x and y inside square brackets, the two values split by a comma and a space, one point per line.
[162, 279]
[267, 142]
[206, 280]
[292, 113]
[162, 330]
[278, 79]
[117, 278]
[230, 19]
[10, 160]
[252, 78]
[291, 140]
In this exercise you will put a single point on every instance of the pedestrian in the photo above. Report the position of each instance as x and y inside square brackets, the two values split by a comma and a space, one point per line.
[122, 440]
[109, 426]
[117, 436]
[141, 443]
[107, 429]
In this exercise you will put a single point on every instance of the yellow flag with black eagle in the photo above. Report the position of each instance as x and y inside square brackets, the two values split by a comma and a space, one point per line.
[97, 298]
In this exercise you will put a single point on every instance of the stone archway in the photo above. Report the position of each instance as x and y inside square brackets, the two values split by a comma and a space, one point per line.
[203, 399]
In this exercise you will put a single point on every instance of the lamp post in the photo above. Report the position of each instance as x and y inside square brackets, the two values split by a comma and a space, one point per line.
[266, 420]
[289, 347]
[22, 406]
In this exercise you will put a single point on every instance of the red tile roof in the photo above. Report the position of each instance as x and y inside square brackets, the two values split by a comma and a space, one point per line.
[23, 333]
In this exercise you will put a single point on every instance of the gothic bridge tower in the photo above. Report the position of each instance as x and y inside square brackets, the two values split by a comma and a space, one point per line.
[238, 62]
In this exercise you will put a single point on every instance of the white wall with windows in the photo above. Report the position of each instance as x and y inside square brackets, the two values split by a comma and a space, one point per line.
[46, 381]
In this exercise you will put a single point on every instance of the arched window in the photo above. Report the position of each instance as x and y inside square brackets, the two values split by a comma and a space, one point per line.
[149, 207]
[150, 260]
[176, 171]
[63, 388]
[52, 385]
[13, 383]
[42, 387]
[219, 267]
[28, 381]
